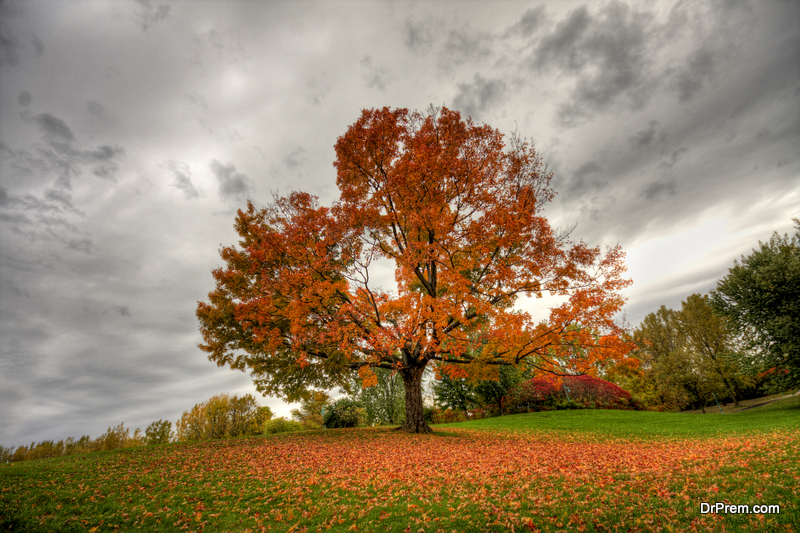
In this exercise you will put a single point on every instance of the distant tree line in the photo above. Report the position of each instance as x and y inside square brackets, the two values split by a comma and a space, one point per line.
[219, 417]
[741, 340]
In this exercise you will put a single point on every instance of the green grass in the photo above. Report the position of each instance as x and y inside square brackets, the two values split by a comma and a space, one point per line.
[776, 416]
[599, 470]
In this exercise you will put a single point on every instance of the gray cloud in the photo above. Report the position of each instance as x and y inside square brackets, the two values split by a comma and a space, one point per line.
[648, 137]
[700, 68]
[55, 129]
[151, 14]
[608, 55]
[563, 46]
[476, 97]
[417, 36]
[62, 155]
[182, 179]
[530, 23]
[374, 76]
[658, 189]
[24, 98]
[95, 108]
[10, 48]
[673, 158]
[464, 46]
[233, 186]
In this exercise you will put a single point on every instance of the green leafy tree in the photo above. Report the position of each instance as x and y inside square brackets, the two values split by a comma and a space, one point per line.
[760, 297]
[158, 432]
[344, 413]
[494, 391]
[687, 357]
[384, 403]
[708, 334]
[658, 338]
[457, 393]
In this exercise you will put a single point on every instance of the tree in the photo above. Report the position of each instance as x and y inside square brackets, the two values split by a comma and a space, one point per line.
[344, 413]
[686, 356]
[312, 409]
[761, 298]
[158, 432]
[494, 391]
[709, 336]
[383, 402]
[456, 393]
[222, 416]
[459, 213]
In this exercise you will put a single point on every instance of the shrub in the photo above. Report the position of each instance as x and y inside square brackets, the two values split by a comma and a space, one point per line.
[344, 413]
[446, 416]
[532, 395]
[281, 425]
[597, 393]
[585, 392]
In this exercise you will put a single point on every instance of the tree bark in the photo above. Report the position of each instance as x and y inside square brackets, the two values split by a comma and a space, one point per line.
[415, 414]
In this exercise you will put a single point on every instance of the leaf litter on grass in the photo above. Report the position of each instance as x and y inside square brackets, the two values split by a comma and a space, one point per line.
[454, 479]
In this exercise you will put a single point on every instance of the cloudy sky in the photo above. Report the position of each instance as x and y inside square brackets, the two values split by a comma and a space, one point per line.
[131, 131]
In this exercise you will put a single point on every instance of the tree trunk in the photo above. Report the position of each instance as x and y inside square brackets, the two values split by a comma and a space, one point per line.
[415, 415]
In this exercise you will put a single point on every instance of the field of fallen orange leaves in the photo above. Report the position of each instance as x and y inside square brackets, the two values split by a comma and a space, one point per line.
[380, 479]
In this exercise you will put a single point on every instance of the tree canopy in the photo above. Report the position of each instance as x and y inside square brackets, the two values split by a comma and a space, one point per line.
[457, 208]
[760, 296]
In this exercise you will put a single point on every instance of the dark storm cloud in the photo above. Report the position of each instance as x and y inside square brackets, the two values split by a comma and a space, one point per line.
[474, 98]
[182, 179]
[608, 54]
[233, 186]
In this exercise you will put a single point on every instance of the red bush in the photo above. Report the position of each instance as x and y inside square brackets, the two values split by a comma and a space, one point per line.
[588, 389]
[541, 394]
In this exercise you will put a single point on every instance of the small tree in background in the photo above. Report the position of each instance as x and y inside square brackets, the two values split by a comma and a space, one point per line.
[219, 417]
[456, 393]
[310, 411]
[383, 402]
[158, 432]
[344, 413]
[535, 394]
[494, 391]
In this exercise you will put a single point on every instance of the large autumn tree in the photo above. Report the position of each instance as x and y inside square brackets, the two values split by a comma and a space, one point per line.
[457, 209]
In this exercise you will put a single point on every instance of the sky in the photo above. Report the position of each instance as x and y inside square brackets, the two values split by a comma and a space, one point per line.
[132, 131]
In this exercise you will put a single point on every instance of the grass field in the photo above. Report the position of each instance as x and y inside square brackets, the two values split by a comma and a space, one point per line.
[592, 470]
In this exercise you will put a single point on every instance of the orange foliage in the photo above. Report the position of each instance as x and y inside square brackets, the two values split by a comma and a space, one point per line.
[457, 208]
